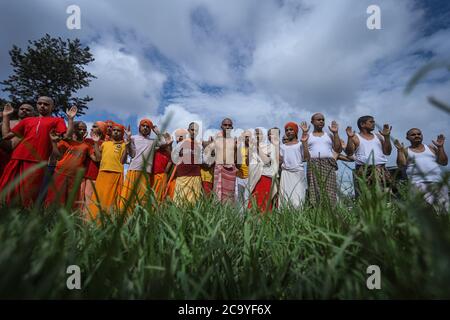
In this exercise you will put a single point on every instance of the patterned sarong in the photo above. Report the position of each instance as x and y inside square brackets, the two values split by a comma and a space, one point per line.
[225, 182]
[371, 175]
[322, 184]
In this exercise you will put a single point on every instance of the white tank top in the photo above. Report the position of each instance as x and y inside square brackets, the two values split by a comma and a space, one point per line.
[422, 166]
[320, 147]
[369, 151]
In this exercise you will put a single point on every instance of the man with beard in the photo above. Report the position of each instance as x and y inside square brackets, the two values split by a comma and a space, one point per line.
[371, 151]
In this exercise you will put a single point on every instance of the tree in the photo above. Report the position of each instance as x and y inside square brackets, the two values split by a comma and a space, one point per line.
[51, 67]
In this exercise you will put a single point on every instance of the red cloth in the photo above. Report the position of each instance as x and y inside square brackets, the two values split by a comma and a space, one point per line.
[261, 194]
[27, 190]
[59, 190]
[207, 187]
[74, 157]
[293, 125]
[160, 162]
[92, 167]
[188, 170]
[36, 144]
[148, 122]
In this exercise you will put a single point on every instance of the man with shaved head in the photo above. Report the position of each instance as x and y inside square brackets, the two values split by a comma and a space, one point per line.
[422, 164]
[224, 148]
[322, 166]
[187, 155]
[31, 154]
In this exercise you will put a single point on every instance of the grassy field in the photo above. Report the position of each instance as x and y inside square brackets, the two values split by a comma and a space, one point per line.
[213, 251]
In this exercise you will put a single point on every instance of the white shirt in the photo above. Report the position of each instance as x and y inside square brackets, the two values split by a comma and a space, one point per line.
[292, 157]
[143, 146]
[320, 147]
[370, 151]
[422, 166]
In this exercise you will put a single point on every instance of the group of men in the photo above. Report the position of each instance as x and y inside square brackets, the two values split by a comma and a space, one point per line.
[44, 161]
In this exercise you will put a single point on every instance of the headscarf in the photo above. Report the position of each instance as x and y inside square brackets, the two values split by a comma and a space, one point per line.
[121, 127]
[292, 125]
[148, 122]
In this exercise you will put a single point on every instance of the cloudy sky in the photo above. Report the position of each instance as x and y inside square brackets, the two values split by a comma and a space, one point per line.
[260, 62]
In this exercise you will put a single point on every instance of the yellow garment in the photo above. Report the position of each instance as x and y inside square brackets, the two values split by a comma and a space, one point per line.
[108, 186]
[187, 190]
[159, 185]
[243, 168]
[141, 183]
[207, 175]
[111, 156]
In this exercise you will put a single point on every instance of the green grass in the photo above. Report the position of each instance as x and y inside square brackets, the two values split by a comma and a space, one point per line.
[211, 251]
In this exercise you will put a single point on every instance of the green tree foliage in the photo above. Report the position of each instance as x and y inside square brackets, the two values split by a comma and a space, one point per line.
[51, 67]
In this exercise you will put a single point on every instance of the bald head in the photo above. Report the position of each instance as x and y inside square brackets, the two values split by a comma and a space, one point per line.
[317, 115]
[45, 105]
[25, 110]
[227, 126]
[318, 121]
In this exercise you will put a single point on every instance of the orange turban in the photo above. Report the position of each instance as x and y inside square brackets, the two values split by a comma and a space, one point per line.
[121, 127]
[148, 122]
[292, 125]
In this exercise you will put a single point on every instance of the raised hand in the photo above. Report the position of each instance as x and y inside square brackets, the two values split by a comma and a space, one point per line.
[72, 112]
[439, 142]
[399, 145]
[304, 137]
[128, 132]
[386, 130]
[8, 110]
[128, 135]
[334, 127]
[304, 126]
[350, 132]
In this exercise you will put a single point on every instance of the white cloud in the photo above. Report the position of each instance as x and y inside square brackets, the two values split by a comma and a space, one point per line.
[124, 86]
[276, 60]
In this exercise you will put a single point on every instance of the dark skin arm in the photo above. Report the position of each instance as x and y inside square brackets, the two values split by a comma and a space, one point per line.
[55, 138]
[438, 148]
[71, 113]
[334, 129]
[352, 142]
[386, 144]
[97, 147]
[401, 154]
[6, 129]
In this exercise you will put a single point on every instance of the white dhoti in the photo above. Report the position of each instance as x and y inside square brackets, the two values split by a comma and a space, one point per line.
[242, 191]
[292, 188]
[434, 195]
